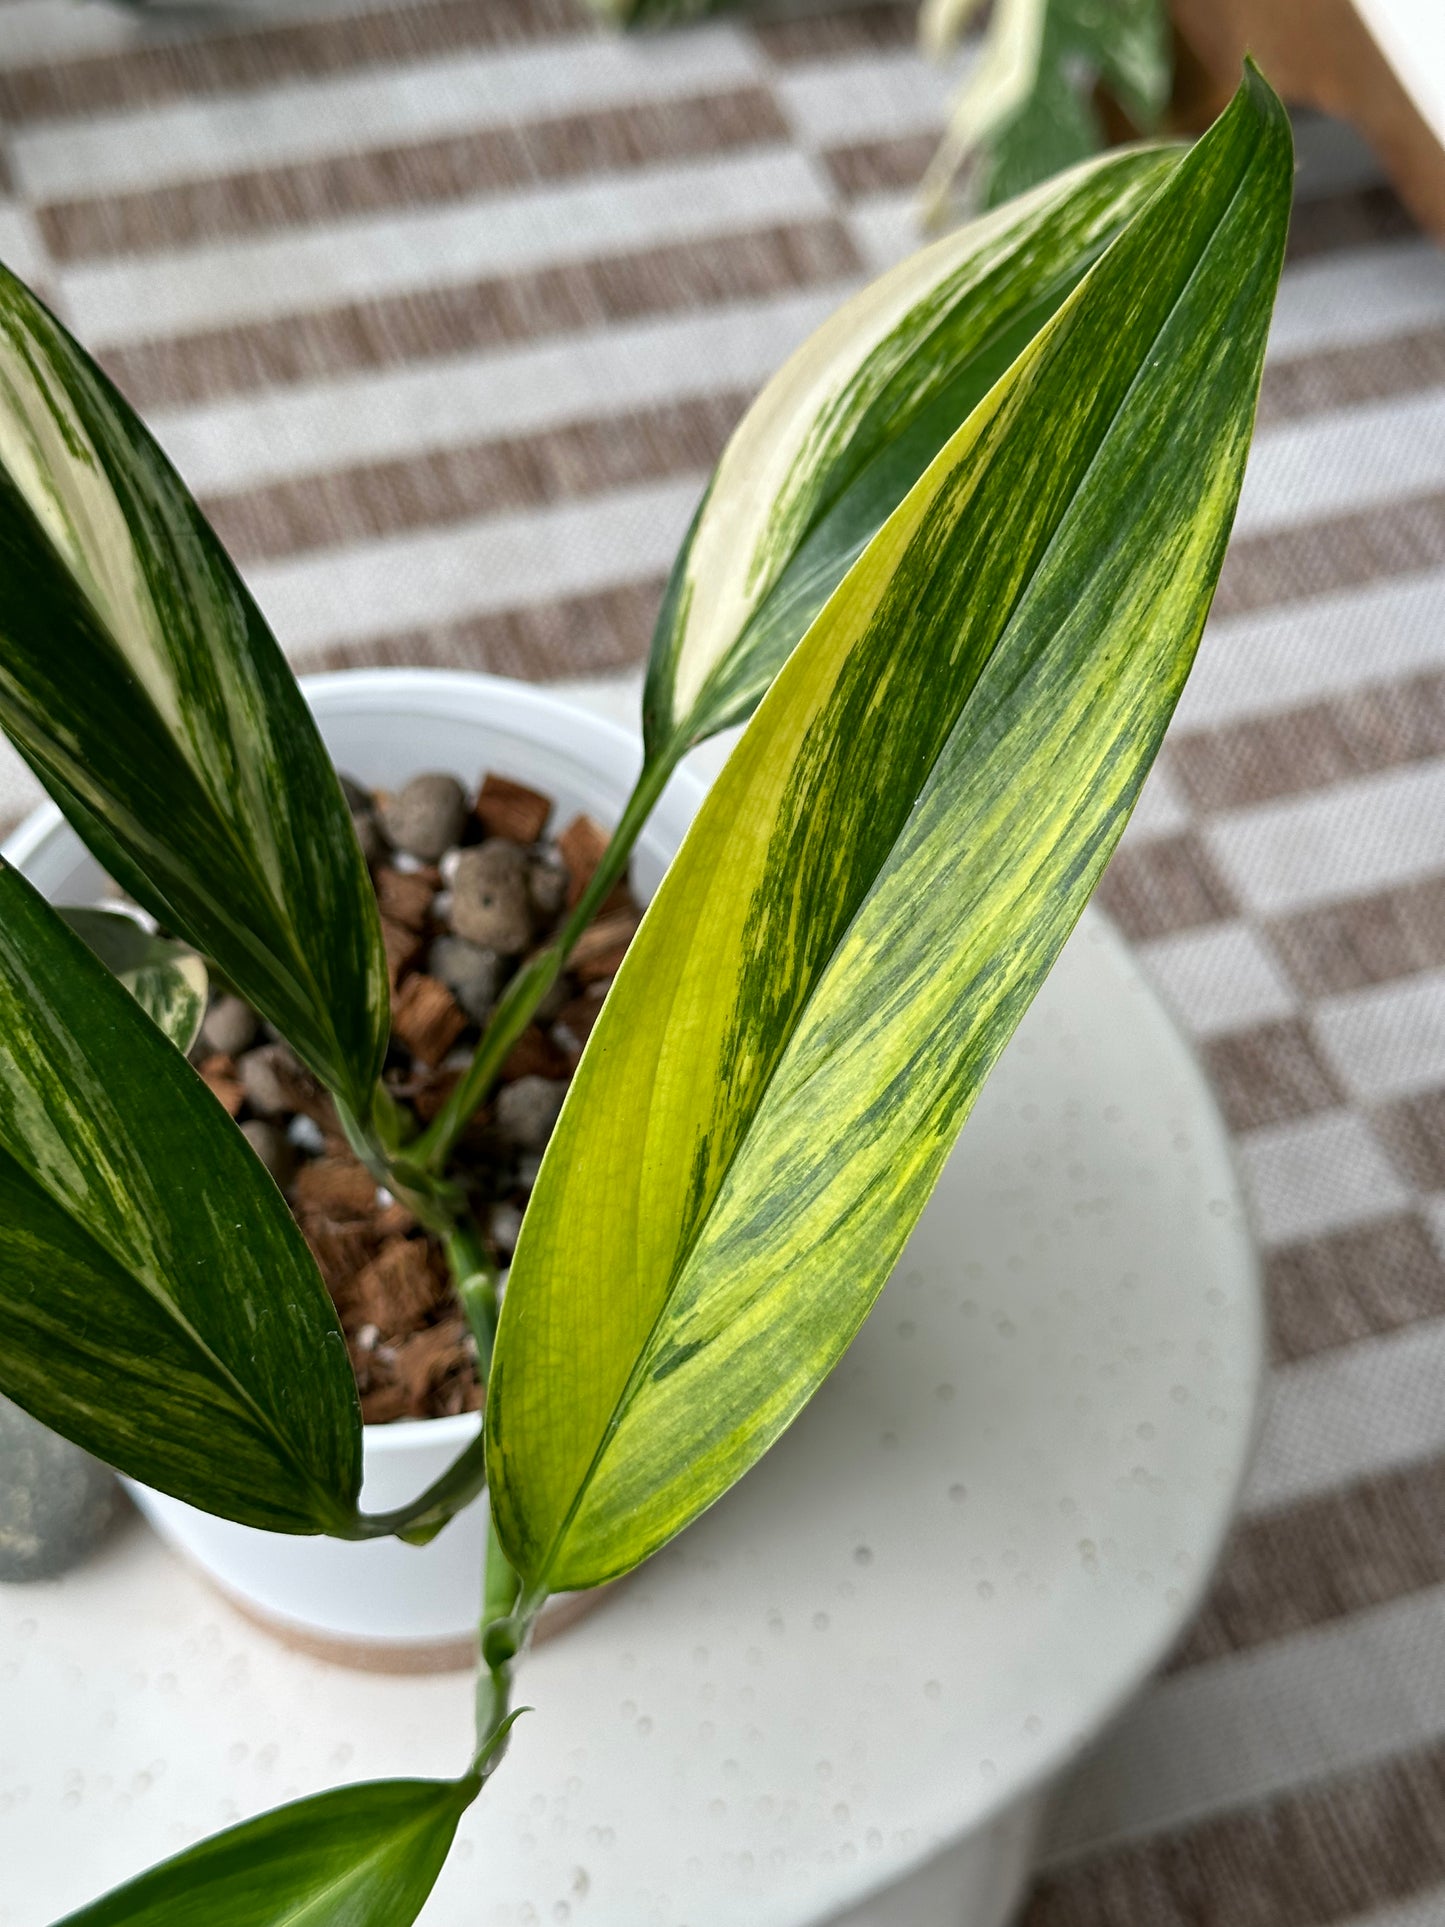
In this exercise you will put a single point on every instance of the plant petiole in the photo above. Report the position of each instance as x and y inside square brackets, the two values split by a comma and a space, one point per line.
[518, 1002]
[503, 1636]
[474, 1276]
[420, 1521]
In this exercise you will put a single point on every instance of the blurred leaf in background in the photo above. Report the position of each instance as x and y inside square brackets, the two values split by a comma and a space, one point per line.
[1030, 105]
[1028, 108]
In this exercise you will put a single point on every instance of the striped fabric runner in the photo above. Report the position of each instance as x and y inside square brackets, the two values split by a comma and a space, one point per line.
[445, 307]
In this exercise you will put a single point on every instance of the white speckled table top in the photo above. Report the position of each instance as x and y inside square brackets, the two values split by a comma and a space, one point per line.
[986, 1529]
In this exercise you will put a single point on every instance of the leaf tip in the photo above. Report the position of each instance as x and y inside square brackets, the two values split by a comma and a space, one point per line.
[1256, 93]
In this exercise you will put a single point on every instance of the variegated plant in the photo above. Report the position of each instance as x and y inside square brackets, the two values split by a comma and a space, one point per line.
[1027, 107]
[1029, 104]
[957, 559]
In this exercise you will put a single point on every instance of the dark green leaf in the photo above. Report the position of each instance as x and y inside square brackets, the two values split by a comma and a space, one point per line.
[158, 1304]
[359, 1856]
[141, 683]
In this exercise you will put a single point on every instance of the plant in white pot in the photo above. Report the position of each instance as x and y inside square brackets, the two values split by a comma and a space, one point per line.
[376, 1602]
[957, 558]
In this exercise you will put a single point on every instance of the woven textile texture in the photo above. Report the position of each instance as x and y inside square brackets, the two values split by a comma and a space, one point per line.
[445, 308]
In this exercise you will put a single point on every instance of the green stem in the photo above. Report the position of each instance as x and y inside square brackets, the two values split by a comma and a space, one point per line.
[389, 1121]
[463, 1481]
[518, 1002]
[501, 1638]
[432, 1200]
[475, 1277]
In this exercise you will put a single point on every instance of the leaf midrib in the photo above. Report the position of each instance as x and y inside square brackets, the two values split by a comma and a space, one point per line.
[298, 1915]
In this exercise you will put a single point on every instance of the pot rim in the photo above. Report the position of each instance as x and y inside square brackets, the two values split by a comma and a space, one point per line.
[379, 688]
[423, 1434]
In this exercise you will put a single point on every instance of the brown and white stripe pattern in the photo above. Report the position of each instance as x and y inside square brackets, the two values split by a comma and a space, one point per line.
[445, 308]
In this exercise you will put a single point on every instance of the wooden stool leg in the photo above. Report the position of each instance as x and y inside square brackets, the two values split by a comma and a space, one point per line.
[1320, 53]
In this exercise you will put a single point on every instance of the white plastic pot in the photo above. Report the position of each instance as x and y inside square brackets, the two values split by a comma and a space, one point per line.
[381, 1603]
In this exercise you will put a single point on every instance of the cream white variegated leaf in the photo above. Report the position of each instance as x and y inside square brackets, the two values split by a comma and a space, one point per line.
[845, 428]
[1003, 76]
[141, 683]
[942, 22]
[167, 979]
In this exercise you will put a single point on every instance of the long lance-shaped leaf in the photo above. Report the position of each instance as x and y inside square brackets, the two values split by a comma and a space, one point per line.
[167, 979]
[846, 427]
[138, 678]
[158, 1304]
[877, 885]
[359, 1856]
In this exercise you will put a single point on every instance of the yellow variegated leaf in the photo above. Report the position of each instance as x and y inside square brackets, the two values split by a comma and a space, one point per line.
[845, 428]
[877, 885]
